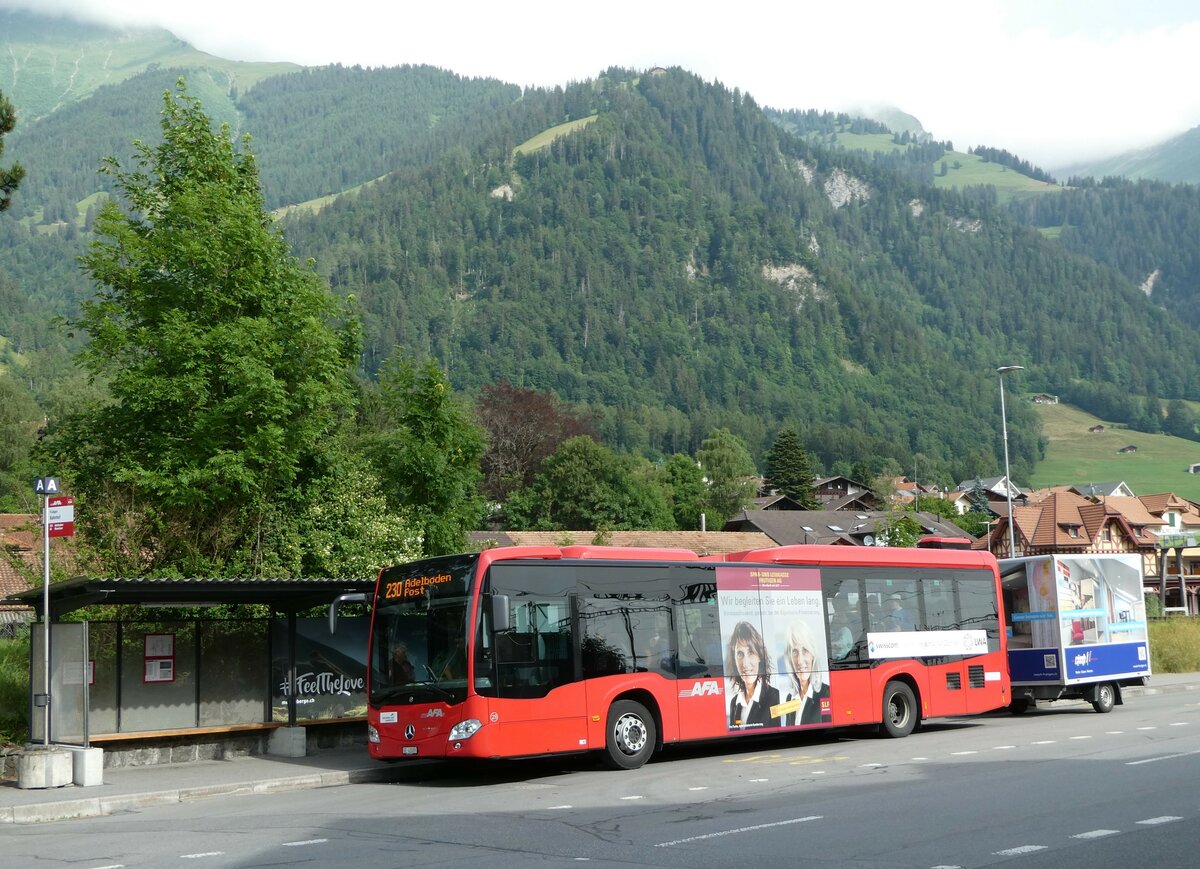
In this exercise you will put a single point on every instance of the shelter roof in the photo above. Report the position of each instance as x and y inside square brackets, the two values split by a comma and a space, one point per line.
[281, 594]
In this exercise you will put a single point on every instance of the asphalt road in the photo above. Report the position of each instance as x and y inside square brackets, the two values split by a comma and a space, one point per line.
[1061, 788]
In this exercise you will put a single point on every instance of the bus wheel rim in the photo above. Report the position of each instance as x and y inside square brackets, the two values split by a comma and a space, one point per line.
[631, 733]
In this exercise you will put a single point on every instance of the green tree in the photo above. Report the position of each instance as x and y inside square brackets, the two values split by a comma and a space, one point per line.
[428, 459]
[685, 484]
[901, 529]
[10, 178]
[587, 486]
[350, 530]
[226, 368]
[790, 469]
[732, 478]
[1180, 420]
[978, 498]
[19, 419]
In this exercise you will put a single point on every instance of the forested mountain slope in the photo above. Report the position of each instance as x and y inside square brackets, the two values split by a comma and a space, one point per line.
[677, 264]
[682, 262]
[1147, 230]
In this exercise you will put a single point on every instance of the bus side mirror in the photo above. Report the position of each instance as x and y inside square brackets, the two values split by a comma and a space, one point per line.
[500, 620]
[349, 597]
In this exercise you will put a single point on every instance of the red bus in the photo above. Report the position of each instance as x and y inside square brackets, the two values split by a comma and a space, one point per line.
[535, 650]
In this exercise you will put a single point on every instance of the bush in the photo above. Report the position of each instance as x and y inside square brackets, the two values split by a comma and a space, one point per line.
[14, 691]
[1175, 645]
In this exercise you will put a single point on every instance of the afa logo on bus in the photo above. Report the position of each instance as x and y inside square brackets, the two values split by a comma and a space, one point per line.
[700, 689]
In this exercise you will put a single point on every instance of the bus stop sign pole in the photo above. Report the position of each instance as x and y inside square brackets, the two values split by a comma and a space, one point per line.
[46, 487]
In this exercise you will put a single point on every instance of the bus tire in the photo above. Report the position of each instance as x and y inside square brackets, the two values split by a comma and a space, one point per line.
[1019, 706]
[900, 711]
[1106, 698]
[630, 736]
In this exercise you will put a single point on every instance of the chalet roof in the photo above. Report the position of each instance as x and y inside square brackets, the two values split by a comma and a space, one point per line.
[1163, 501]
[776, 502]
[854, 501]
[830, 526]
[1133, 509]
[1099, 490]
[700, 542]
[1047, 524]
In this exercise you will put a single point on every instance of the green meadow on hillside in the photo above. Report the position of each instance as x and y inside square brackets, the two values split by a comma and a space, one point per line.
[1075, 455]
[962, 170]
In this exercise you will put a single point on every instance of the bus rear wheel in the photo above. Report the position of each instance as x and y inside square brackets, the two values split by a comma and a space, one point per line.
[631, 735]
[1106, 698]
[899, 710]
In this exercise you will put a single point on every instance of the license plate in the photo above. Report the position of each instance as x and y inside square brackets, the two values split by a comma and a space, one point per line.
[409, 750]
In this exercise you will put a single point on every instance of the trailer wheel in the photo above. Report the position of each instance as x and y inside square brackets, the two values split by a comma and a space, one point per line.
[1106, 698]
[899, 710]
[630, 736]
[1019, 706]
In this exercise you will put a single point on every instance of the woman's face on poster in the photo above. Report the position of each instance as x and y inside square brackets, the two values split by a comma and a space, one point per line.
[746, 658]
[802, 661]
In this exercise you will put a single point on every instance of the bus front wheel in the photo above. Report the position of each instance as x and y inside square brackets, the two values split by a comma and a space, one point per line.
[631, 735]
[899, 710]
[1106, 698]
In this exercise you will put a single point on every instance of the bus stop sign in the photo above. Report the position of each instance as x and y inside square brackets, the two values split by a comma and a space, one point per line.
[60, 516]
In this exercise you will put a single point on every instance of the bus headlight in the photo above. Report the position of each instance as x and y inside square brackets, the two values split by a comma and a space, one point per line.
[372, 734]
[464, 729]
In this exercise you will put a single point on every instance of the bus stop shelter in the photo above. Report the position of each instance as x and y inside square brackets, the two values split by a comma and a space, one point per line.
[188, 673]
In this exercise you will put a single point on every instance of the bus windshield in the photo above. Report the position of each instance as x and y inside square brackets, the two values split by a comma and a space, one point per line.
[420, 632]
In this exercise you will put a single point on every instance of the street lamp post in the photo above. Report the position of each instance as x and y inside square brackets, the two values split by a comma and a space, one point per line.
[1012, 537]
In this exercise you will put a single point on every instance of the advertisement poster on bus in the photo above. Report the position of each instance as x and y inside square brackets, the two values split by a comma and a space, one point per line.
[773, 636]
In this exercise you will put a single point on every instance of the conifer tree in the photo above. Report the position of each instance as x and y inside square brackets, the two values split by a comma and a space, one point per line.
[789, 469]
[11, 177]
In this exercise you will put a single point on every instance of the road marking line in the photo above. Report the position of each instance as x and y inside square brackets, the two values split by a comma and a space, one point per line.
[920, 758]
[1165, 819]
[634, 797]
[552, 808]
[1178, 724]
[1002, 747]
[1081, 737]
[1114, 732]
[1043, 742]
[701, 788]
[1163, 757]
[1095, 834]
[202, 854]
[869, 765]
[739, 830]
[111, 866]
[956, 753]
[759, 779]
[1020, 849]
[304, 842]
[1151, 727]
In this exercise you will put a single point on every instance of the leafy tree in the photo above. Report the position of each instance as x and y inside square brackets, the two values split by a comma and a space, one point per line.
[10, 178]
[974, 522]
[685, 484]
[428, 459]
[586, 486]
[524, 427]
[901, 529]
[732, 478]
[350, 530]
[790, 470]
[226, 371]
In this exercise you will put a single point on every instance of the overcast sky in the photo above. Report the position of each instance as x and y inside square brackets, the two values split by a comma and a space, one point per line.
[1050, 80]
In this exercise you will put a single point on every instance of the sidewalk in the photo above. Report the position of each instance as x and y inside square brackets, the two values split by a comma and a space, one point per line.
[130, 788]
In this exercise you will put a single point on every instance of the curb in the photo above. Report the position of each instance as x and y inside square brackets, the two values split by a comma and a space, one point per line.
[94, 807]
